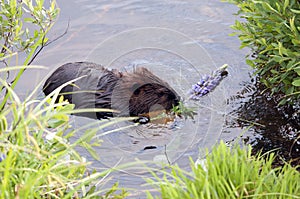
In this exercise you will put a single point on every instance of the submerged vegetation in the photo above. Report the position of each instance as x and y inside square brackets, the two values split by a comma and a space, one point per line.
[271, 28]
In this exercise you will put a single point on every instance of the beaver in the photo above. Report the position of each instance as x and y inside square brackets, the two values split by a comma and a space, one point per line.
[135, 93]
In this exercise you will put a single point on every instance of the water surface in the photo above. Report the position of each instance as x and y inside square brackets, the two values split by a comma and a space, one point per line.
[178, 41]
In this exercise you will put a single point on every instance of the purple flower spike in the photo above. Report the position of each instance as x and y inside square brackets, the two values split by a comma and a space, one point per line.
[208, 83]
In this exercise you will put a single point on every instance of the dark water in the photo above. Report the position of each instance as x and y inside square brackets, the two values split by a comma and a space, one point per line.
[273, 128]
[178, 41]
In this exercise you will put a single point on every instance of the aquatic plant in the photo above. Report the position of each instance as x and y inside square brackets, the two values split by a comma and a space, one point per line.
[271, 29]
[204, 86]
[229, 173]
[208, 83]
[183, 110]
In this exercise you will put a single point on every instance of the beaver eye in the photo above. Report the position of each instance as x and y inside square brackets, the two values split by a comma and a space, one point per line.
[160, 94]
[136, 92]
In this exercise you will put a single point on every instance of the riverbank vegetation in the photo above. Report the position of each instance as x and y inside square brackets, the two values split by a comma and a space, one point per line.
[230, 173]
[36, 158]
[271, 29]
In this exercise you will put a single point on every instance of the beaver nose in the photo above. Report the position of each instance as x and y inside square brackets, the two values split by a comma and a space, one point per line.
[177, 100]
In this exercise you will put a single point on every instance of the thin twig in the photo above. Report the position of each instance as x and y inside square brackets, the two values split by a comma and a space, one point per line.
[38, 51]
[49, 42]
[60, 36]
[167, 155]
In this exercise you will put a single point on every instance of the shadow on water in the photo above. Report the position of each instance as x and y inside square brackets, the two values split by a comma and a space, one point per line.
[269, 127]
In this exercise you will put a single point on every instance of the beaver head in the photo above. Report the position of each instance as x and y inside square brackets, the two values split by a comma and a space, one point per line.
[152, 97]
[141, 92]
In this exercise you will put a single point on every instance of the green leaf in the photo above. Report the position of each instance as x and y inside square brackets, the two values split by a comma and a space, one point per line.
[283, 101]
[292, 24]
[90, 149]
[286, 3]
[295, 11]
[27, 19]
[250, 63]
[297, 70]
[3, 124]
[267, 6]
[290, 90]
[296, 82]
[54, 123]
[274, 72]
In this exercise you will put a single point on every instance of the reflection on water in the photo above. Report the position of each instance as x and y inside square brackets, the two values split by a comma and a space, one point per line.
[271, 127]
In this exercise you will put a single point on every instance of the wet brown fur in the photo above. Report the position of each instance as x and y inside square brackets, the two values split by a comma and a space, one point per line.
[130, 93]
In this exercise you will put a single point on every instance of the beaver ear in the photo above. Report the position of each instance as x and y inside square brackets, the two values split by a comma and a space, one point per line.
[161, 91]
[141, 70]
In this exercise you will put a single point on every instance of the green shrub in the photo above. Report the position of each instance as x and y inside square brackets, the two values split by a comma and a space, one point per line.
[230, 173]
[36, 158]
[23, 29]
[271, 28]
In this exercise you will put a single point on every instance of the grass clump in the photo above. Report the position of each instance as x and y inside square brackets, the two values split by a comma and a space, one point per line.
[38, 161]
[271, 29]
[230, 173]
